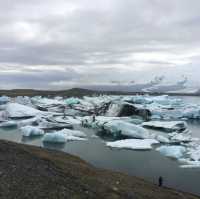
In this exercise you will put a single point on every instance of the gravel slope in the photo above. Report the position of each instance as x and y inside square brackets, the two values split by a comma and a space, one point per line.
[31, 172]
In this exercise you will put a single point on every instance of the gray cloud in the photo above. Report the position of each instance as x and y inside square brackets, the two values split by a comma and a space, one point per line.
[65, 43]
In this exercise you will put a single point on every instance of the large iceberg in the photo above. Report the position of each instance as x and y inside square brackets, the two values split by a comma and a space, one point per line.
[172, 151]
[16, 110]
[135, 144]
[31, 131]
[118, 127]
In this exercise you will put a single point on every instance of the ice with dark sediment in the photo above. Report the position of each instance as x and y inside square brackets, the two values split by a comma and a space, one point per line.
[168, 126]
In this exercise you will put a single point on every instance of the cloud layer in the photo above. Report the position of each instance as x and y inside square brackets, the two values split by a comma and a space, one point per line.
[61, 44]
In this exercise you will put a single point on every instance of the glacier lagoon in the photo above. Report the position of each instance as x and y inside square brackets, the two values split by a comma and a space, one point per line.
[148, 164]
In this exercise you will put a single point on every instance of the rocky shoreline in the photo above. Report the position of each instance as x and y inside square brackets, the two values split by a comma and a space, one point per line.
[33, 172]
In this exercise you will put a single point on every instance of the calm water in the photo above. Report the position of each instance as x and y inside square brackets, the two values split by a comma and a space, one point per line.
[146, 164]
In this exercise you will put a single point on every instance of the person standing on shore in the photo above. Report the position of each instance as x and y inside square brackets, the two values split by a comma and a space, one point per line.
[160, 181]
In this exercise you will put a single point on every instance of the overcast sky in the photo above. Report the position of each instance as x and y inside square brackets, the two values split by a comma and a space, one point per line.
[65, 43]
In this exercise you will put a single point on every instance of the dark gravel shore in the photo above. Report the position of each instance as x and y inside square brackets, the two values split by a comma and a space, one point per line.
[33, 173]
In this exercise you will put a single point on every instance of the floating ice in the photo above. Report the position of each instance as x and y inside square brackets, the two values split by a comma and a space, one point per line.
[61, 137]
[8, 124]
[166, 126]
[134, 144]
[29, 122]
[72, 101]
[162, 139]
[76, 133]
[4, 100]
[126, 129]
[181, 137]
[21, 111]
[48, 124]
[172, 151]
[31, 131]
[3, 116]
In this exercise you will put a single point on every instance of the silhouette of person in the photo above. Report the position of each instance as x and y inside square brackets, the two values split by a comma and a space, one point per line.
[160, 181]
[93, 118]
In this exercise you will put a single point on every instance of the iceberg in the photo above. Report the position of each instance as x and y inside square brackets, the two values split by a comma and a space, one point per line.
[4, 100]
[76, 133]
[172, 151]
[62, 137]
[181, 137]
[72, 101]
[3, 116]
[162, 139]
[31, 131]
[135, 144]
[8, 124]
[16, 110]
[29, 122]
[166, 126]
[118, 127]
[48, 124]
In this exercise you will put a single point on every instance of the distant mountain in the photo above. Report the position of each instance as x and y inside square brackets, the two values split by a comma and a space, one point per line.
[157, 85]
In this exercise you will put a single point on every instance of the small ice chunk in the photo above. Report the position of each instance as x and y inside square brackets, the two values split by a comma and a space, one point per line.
[190, 166]
[4, 100]
[181, 137]
[73, 133]
[162, 139]
[8, 124]
[31, 131]
[59, 137]
[72, 101]
[172, 151]
[135, 144]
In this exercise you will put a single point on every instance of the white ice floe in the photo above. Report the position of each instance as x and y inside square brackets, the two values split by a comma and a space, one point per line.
[190, 166]
[135, 144]
[168, 126]
[172, 151]
[126, 129]
[20, 111]
[31, 131]
[8, 124]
